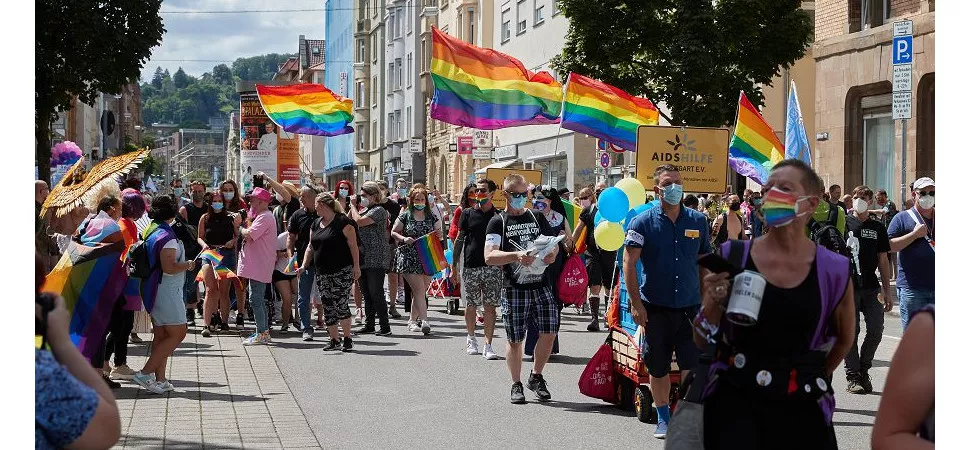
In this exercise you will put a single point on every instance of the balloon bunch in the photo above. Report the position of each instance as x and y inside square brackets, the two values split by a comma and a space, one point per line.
[617, 206]
[65, 153]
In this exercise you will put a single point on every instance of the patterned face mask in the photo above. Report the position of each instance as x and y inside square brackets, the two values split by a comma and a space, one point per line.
[780, 208]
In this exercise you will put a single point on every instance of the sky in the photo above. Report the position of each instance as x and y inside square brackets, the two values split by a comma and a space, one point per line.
[225, 37]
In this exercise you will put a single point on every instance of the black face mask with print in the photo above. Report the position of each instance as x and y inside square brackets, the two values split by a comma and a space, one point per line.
[735, 206]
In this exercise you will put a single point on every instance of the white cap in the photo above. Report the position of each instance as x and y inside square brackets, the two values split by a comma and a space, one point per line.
[923, 182]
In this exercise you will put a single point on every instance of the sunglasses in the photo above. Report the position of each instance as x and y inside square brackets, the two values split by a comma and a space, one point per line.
[584, 198]
[517, 194]
[928, 194]
[481, 191]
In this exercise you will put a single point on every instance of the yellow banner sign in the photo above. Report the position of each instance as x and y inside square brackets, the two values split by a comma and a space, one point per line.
[498, 176]
[700, 155]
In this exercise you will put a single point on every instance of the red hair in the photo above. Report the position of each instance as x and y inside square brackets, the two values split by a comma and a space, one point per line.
[348, 184]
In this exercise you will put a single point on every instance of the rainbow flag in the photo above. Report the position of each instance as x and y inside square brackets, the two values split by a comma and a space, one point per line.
[307, 109]
[291, 266]
[212, 256]
[91, 277]
[431, 254]
[485, 89]
[598, 109]
[572, 214]
[221, 273]
[754, 148]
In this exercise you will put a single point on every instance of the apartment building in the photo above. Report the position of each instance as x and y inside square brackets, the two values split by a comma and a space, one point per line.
[404, 106]
[339, 51]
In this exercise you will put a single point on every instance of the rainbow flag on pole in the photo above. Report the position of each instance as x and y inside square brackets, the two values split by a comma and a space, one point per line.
[754, 148]
[307, 109]
[212, 256]
[572, 214]
[598, 109]
[291, 266]
[431, 254]
[481, 88]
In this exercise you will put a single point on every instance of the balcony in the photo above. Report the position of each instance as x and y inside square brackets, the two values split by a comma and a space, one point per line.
[363, 25]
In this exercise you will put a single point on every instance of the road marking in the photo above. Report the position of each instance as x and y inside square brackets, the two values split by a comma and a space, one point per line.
[892, 337]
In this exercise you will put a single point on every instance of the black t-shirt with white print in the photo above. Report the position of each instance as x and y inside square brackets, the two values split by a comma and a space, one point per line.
[515, 235]
[873, 240]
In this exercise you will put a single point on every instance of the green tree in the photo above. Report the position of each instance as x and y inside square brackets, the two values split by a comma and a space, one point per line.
[180, 79]
[83, 48]
[693, 55]
[221, 74]
[257, 68]
[157, 78]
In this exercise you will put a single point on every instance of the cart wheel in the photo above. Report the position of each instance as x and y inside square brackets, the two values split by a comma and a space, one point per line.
[624, 391]
[452, 307]
[646, 413]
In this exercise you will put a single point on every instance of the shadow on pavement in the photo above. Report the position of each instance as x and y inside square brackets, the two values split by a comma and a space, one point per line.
[190, 392]
[851, 424]
[387, 352]
[375, 343]
[861, 412]
[569, 360]
[595, 408]
[156, 442]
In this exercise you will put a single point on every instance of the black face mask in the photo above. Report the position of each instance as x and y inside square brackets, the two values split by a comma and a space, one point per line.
[735, 206]
[198, 196]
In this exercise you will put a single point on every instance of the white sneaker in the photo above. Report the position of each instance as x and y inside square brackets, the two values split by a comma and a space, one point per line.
[156, 388]
[489, 354]
[165, 385]
[472, 345]
[426, 327]
[413, 327]
[142, 379]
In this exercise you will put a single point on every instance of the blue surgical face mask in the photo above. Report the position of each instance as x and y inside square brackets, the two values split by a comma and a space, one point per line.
[517, 202]
[344, 192]
[419, 206]
[673, 193]
[228, 195]
[179, 192]
[402, 192]
[217, 206]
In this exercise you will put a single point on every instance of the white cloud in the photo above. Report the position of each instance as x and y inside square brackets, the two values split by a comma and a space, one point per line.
[225, 37]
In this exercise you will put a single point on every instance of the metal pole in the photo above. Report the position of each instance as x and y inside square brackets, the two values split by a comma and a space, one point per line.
[902, 178]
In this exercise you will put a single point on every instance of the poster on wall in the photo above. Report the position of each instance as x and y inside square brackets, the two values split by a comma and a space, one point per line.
[533, 177]
[700, 155]
[263, 146]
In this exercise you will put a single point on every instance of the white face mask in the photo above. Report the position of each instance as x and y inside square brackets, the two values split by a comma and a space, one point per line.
[364, 201]
[860, 205]
[926, 201]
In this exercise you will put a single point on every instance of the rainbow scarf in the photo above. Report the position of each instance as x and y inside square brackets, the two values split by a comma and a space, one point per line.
[156, 235]
[598, 109]
[754, 148]
[307, 109]
[91, 277]
[431, 254]
[485, 89]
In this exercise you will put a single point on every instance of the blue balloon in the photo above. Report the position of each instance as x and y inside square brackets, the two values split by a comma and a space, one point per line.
[448, 254]
[597, 219]
[634, 213]
[614, 204]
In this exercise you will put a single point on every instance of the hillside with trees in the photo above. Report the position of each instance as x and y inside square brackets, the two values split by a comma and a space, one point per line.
[190, 101]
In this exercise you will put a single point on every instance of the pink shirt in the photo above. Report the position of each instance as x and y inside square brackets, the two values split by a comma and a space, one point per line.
[258, 254]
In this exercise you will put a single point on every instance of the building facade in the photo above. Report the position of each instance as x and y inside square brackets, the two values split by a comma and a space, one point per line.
[404, 105]
[857, 140]
[368, 93]
[339, 50]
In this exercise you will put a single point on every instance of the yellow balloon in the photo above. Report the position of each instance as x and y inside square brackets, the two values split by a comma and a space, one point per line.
[634, 191]
[609, 236]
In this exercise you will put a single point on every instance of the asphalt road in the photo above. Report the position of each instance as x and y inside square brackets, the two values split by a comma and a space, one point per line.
[413, 391]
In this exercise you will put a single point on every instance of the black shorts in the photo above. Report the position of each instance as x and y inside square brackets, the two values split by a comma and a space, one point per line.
[280, 276]
[669, 330]
[600, 268]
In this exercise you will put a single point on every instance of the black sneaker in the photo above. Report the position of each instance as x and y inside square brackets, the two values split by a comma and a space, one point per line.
[368, 329]
[866, 383]
[384, 332]
[111, 383]
[333, 345]
[537, 384]
[518, 395]
[348, 345]
[223, 326]
[855, 385]
[189, 316]
[593, 326]
[239, 320]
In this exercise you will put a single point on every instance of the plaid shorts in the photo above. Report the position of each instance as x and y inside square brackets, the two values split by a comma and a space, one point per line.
[537, 305]
[482, 285]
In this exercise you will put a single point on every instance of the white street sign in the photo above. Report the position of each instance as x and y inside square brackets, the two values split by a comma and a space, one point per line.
[903, 77]
[416, 146]
[482, 153]
[483, 138]
[903, 105]
[903, 28]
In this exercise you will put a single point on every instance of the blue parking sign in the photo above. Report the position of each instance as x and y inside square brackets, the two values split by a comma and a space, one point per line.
[902, 49]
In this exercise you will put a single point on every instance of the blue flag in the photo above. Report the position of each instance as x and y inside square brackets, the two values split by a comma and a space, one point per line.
[796, 140]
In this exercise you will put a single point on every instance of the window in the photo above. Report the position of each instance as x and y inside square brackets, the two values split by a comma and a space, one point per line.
[540, 13]
[555, 7]
[520, 17]
[390, 24]
[400, 71]
[409, 122]
[410, 9]
[871, 14]
[397, 125]
[390, 77]
[373, 8]
[373, 133]
[374, 48]
[361, 137]
[399, 28]
[362, 6]
[878, 134]
[361, 94]
[315, 50]
[506, 25]
[374, 89]
[471, 27]
[425, 55]
[390, 127]
[461, 24]
[410, 67]
[361, 51]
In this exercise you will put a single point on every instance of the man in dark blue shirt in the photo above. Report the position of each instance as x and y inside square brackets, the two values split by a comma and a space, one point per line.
[667, 241]
[911, 233]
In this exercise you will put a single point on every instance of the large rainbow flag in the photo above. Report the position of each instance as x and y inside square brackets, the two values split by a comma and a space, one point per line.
[754, 148]
[307, 109]
[91, 277]
[598, 109]
[481, 88]
[431, 254]
[572, 214]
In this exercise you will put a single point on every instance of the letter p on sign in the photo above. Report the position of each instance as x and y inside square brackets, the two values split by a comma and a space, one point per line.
[902, 49]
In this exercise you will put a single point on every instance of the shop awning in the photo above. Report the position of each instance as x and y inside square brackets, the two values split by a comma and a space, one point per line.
[497, 165]
[548, 157]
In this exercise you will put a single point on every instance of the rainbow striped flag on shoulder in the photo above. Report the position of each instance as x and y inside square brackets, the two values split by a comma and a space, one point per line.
[431, 254]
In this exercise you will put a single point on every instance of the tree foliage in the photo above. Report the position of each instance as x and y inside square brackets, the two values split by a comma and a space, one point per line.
[85, 47]
[693, 55]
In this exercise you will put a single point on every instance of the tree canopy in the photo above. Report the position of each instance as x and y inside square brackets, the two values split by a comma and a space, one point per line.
[693, 55]
[83, 48]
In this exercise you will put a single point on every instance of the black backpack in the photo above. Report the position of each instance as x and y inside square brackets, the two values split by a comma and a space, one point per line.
[138, 263]
[827, 234]
[188, 235]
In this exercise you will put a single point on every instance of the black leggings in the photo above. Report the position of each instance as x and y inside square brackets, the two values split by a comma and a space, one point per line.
[375, 305]
[119, 329]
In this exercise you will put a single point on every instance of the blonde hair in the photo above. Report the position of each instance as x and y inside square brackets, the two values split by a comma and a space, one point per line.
[511, 180]
[587, 192]
[374, 189]
[330, 202]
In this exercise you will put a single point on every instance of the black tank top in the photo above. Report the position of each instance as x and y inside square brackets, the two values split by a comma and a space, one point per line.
[218, 229]
[195, 214]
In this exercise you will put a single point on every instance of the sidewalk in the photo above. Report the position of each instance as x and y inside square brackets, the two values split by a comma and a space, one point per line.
[255, 410]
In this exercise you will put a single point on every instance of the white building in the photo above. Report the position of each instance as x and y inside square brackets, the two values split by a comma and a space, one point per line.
[403, 99]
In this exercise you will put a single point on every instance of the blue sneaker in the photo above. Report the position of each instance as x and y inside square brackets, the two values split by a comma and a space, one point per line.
[142, 379]
[661, 431]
